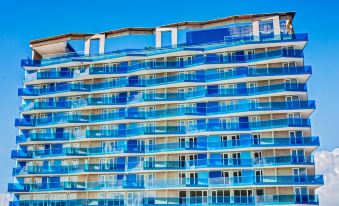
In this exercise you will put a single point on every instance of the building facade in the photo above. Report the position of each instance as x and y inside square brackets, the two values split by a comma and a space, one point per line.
[219, 116]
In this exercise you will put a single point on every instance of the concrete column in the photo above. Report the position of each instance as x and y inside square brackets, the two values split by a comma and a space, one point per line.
[102, 40]
[276, 25]
[158, 39]
[158, 33]
[87, 46]
[174, 37]
[289, 26]
[255, 28]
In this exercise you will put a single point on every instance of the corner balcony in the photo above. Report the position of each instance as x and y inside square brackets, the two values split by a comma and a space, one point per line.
[171, 183]
[187, 165]
[196, 129]
[134, 148]
[189, 112]
[71, 59]
[211, 94]
[281, 199]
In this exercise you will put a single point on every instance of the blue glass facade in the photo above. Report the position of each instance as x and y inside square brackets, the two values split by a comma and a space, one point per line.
[223, 119]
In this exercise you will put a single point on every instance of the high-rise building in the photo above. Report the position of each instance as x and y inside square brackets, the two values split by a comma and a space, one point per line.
[203, 113]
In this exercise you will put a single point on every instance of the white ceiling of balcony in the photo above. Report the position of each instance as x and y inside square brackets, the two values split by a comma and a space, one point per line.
[51, 50]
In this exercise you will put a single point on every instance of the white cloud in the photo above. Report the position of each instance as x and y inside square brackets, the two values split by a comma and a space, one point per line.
[327, 163]
[4, 199]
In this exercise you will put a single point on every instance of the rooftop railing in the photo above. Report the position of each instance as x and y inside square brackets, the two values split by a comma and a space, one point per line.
[78, 56]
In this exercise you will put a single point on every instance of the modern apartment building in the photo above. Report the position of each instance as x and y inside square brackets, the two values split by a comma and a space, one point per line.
[203, 113]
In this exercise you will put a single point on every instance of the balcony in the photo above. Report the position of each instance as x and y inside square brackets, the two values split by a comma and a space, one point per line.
[79, 57]
[206, 164]
[170, 183]
[128, 114]
[73, 87]
[127, 147]
[281, 199]
[209, 75]
[149, 97]
[158, 81]
[222, 163]
[196, 129]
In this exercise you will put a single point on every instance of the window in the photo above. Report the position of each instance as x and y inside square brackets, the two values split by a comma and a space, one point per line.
[243, 196]
[221, 196]
[198, 197]
[298, 155]
[250, 55]
[226, 177]
[230, 57]
[151, 144]
[256, 139]
[235, 140]
[151, 179]
[288, 51]
[193, 178]
[258, 175]
[236, 158]
[237, 177]
[182, 178]
[102, 181]
[296, 137]
[252, 87]
[150, 161]
[222, 73]
[224, 141]
[225, 159]
[299, 175]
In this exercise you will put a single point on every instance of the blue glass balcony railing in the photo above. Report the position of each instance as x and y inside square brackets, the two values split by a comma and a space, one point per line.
[73, 87]
[209, 75]
[165, 130]
[167, 165]
[282, 199]
[178, 78]
[59, 118]
[69, 57]
[143, 97]
[170, 183]
[127, 147]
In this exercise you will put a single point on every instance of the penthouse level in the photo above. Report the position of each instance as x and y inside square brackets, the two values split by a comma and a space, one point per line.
[232, 31]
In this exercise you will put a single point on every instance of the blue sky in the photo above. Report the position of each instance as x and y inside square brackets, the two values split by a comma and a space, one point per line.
[21, 21]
